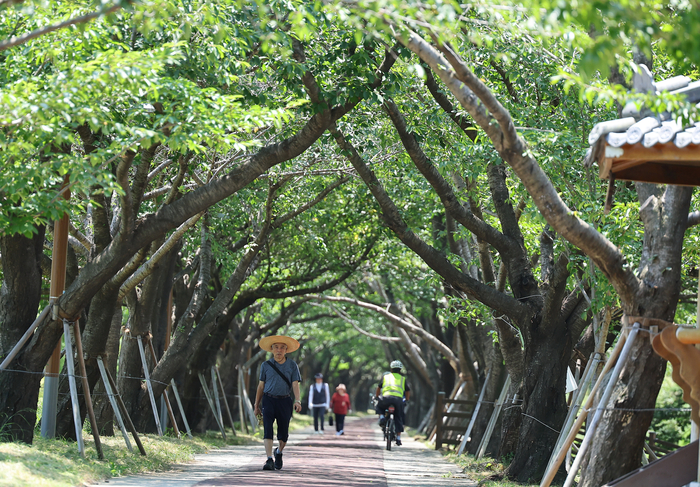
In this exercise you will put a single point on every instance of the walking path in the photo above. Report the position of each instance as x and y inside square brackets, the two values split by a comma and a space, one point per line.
[357, 458]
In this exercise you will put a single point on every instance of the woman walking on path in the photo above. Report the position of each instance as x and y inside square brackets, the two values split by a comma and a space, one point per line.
[319, 401]
[340, 405]
[279, 379]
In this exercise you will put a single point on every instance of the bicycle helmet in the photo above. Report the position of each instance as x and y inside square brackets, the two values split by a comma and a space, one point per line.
[396, 364]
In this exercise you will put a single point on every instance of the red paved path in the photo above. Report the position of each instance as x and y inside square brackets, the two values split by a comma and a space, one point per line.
[353, 459]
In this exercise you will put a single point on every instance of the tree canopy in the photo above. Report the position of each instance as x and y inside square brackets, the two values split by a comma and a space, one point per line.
[381, 179]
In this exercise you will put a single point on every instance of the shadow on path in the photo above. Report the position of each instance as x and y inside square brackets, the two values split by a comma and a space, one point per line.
[351, 460]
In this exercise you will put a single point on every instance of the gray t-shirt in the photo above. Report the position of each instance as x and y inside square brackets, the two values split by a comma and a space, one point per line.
[274, 384]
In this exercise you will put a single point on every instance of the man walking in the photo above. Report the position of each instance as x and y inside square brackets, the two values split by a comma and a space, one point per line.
[279, 379]
[319, 401]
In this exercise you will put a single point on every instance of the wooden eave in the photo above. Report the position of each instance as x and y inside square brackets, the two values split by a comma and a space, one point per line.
[661, 163]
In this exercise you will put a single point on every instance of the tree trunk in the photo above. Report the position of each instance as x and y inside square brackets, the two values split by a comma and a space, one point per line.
[19, 302]
[544, 404]
[617, 446]
[142, 313]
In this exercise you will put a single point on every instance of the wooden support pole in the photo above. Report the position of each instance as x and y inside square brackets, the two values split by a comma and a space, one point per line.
[127, 419]
[165, 392]
[590, 430]
[67, 332]
[494, 417]
[147, 374]
[210, 400]
[472, 420]
[59, 258]
[113, 402]
[551, 472]
[223, 394]
[182, 410]
[86, 390]
[439, 406]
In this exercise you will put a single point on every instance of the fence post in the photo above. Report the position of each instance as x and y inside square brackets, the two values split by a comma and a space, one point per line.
[440, 405]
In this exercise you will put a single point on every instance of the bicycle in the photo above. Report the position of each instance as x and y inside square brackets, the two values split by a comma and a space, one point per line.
[389, 428]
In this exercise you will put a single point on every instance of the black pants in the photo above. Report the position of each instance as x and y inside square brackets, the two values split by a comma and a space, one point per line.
[319, 414]
[339, 422]
[279, 409]
[386, 401]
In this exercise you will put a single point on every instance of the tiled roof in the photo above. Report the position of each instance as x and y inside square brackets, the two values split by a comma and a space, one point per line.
[643, 127]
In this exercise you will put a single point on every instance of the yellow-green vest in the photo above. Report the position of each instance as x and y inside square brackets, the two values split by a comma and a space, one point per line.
[393, 384]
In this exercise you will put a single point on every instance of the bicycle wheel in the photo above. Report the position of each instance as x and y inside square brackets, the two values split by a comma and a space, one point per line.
[389, 433]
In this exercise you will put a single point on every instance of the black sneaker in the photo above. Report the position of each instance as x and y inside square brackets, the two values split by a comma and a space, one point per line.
[269, 464]
[278, 459]
[398, 441]
[382, 422]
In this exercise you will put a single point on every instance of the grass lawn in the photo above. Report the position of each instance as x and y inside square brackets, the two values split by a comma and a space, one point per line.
[56, 463]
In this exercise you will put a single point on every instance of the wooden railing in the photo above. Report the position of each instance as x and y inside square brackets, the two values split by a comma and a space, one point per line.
[443, 416]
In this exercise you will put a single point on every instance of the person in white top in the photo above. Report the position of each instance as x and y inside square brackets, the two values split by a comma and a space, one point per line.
[319, 401]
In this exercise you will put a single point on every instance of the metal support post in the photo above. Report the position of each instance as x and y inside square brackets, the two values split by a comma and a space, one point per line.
[165, 393]
[494, 417]
[215, 396]
[113, 402]
[67, 332]
[182, 410]
[86, 391]
[146, 374]
[472, 420]
[579, 395]
[125, 413]
[223, 394]
[241, 411]
[551, 472]
[590, 430]
[210, 400]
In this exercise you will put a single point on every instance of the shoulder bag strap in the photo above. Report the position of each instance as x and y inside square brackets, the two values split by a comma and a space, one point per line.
[274, 367]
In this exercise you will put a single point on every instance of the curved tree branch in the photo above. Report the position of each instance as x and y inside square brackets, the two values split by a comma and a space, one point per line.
[16, 41]
[465, 87]
[399, 321]
[436, 260]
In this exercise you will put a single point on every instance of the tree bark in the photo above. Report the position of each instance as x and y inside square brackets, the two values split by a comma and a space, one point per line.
[20, 295]
[664, 214]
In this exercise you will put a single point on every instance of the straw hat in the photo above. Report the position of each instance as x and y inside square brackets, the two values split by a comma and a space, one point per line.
[267, 342]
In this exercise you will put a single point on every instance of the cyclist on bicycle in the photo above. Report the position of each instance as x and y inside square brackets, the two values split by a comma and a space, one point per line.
[391, 390]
